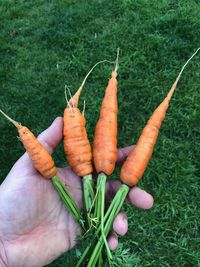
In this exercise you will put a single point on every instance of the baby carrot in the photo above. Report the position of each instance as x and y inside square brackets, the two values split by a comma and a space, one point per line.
[77, 146]
[105, 136]
[40, 157]
[44, 164]
[105, 147]
[136, 163]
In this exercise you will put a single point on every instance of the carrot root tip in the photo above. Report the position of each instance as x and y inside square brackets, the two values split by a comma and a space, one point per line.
[69, 102]
[17, 124]
[83, 112]
[117, 61]
[177, 79]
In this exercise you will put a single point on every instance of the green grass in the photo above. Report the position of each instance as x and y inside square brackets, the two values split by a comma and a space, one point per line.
[155, 38]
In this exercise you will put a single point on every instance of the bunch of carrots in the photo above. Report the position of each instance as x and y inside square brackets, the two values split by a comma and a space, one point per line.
[95, 220]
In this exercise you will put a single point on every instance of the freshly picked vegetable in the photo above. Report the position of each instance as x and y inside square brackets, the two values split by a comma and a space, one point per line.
[44, 164]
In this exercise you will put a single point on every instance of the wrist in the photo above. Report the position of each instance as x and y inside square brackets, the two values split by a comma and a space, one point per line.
[3, 258]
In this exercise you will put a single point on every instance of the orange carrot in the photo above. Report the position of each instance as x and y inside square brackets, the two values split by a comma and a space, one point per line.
[105, 148]
[40, 157]
[77, 147]
[136, 163]
[44, 164]
[76, 144]
[105, 137]
[78, 150]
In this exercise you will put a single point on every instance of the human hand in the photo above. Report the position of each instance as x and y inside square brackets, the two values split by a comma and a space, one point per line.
[35, 227]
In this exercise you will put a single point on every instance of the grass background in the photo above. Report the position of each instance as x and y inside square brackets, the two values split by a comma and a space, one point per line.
[47, 44]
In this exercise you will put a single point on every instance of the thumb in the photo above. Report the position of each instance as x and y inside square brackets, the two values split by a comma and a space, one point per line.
[53, 135]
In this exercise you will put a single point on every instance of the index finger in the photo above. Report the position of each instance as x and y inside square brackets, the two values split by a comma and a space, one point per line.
[136, 196]
[140, 198]
[123, 153]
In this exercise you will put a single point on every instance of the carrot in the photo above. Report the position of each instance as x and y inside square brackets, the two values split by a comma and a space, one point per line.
[77, 147]
[76, 144]
[40, 157]
[44, 164]
[135, 164]
[105, 137]
[105, 148]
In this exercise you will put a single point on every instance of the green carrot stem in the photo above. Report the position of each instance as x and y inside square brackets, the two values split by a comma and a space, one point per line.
[102, 202]
[83, 256]
[97, 203]
[100, 261]
[100, 207]
[118, 202]
[68, 201]
[88, 195]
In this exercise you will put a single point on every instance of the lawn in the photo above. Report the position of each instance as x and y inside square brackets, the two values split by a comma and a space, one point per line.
[47, 44]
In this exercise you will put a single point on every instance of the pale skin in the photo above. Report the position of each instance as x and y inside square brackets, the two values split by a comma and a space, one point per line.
[35, 228]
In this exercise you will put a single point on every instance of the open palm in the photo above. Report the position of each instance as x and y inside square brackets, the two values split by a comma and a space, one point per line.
[35, 227]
